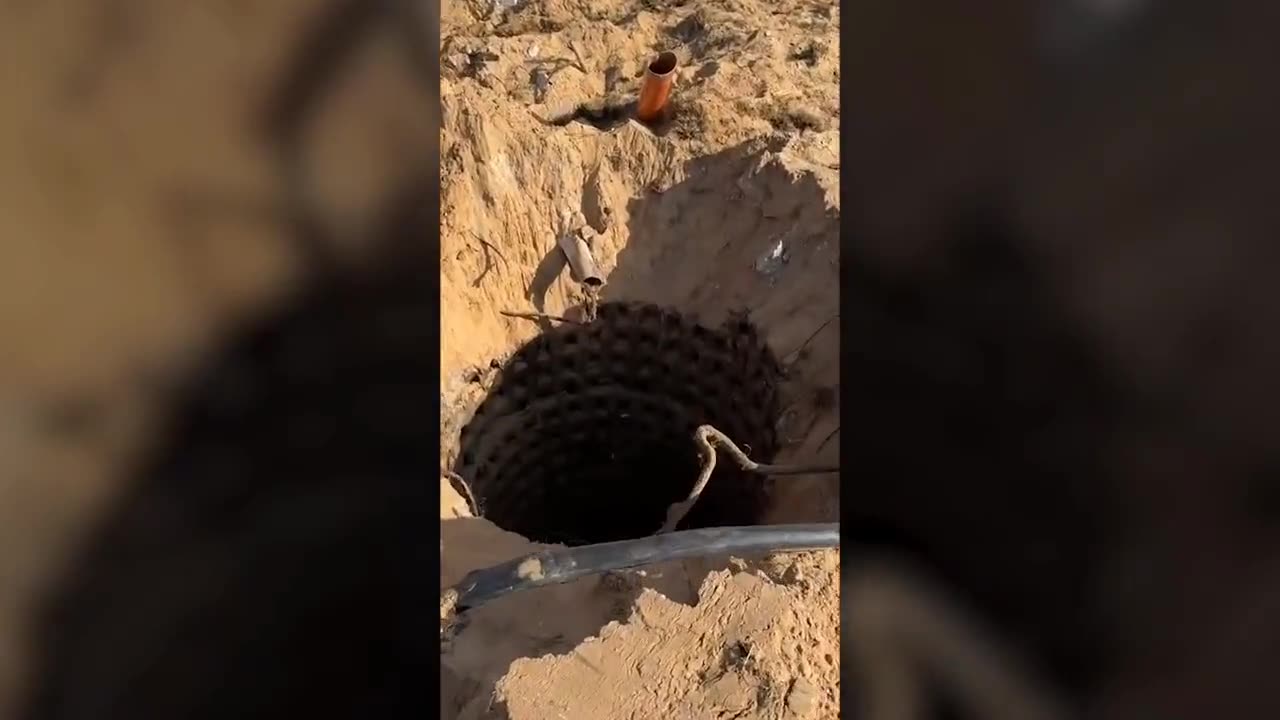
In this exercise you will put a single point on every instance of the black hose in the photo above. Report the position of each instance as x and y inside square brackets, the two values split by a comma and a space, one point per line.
[562, 565]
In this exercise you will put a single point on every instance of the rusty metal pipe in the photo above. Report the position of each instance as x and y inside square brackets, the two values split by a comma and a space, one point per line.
[656, 89]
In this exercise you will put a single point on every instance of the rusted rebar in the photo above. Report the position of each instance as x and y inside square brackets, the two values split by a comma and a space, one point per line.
[707, 438]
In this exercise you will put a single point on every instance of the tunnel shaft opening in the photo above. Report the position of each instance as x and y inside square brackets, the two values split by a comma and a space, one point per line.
[587, 435]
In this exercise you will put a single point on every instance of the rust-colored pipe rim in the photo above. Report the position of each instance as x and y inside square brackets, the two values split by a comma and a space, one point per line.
[656, 90]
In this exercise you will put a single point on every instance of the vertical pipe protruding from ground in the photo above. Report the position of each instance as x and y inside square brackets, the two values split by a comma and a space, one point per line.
[656, 89]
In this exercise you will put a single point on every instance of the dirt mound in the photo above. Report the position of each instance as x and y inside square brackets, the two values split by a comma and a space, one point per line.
[718, 236]
[755, 645]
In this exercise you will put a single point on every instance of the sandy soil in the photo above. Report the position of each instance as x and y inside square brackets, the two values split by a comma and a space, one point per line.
[680, 217]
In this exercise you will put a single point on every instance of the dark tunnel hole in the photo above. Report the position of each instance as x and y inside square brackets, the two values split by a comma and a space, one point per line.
[587, 436]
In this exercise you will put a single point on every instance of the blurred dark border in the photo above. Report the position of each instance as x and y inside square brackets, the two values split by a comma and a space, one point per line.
[276, 555]
[1056, 363]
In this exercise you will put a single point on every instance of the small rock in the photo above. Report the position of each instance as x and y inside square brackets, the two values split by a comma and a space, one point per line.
[459, 61]
[611, 78]
[541, 81]
[809, 54]
[803, 697]
[773, 259]
[691, 28]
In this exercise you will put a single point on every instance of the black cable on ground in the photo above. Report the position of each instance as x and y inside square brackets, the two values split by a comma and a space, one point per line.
[551, 567]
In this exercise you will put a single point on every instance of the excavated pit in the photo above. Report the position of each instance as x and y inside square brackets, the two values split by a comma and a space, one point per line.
[587, 434]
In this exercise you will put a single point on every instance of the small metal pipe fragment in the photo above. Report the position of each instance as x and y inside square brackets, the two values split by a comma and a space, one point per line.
[582, 266]
[656, 90]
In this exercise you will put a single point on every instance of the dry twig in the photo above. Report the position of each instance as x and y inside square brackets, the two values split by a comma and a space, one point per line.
[489, 245]
[707, 438]
[538, 316]
[795, 354]
[827, 439]
[489, 264]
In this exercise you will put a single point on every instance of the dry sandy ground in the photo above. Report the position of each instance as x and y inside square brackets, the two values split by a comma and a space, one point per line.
[680, 217]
